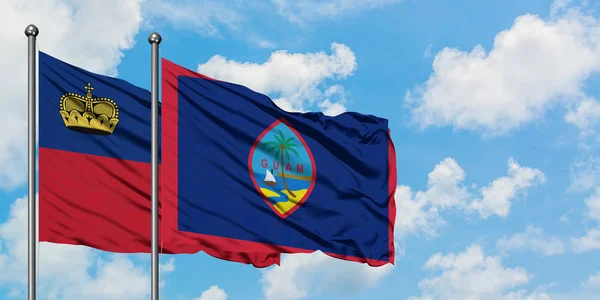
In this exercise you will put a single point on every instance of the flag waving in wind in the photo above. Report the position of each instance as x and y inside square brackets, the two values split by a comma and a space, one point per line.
[94, 165]
[94, 159]
[240, 173]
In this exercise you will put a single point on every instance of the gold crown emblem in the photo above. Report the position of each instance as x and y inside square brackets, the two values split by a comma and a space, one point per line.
[89, 115]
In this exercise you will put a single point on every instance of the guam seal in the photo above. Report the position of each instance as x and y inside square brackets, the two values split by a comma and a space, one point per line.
[282, 168]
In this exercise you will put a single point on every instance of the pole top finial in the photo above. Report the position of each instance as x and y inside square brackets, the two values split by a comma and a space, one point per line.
[31, 30]
[154, 38]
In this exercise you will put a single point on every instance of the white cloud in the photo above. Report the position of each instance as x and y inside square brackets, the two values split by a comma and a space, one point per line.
[300, 275]
[524, 295]
[496, 197]
[590, 242]
[213, 18]
[414, 213]
[83, 33]
[288, 105]
[593, 282]
[586, 116]
[585, 174]
[293, 79]
[67, 271]
[330, 106]
[588, 291]
[261, 42]
[593, 205]
[533, 66]
[427, 53]
[420, 211]
[533, 240]
[208, 18]
[213, 293]
[301, 11]
[203, 17]
[472, 275]
[559, 6]
[331, 109]
[167, 267]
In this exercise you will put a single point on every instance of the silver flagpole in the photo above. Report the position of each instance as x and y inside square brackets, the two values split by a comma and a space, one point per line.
[154, 39]
[31, 32]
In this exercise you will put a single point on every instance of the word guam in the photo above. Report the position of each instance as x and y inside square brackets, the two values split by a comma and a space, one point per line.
[299, 167]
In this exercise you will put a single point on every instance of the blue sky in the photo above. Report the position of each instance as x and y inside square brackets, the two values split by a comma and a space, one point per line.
[493, 110]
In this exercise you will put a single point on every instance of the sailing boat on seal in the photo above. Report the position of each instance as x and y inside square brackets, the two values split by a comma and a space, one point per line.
[269, 178]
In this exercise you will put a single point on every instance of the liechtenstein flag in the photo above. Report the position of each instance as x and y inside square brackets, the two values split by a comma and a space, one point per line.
[94, 159]
[237, 171]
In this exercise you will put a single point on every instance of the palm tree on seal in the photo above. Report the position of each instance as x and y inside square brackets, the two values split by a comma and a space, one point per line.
[283, 146]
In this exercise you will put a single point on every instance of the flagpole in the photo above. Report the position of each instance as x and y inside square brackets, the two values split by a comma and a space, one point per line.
[154, 39]
[31, 32]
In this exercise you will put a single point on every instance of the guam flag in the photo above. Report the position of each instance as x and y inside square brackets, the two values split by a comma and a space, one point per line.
[237, 171]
